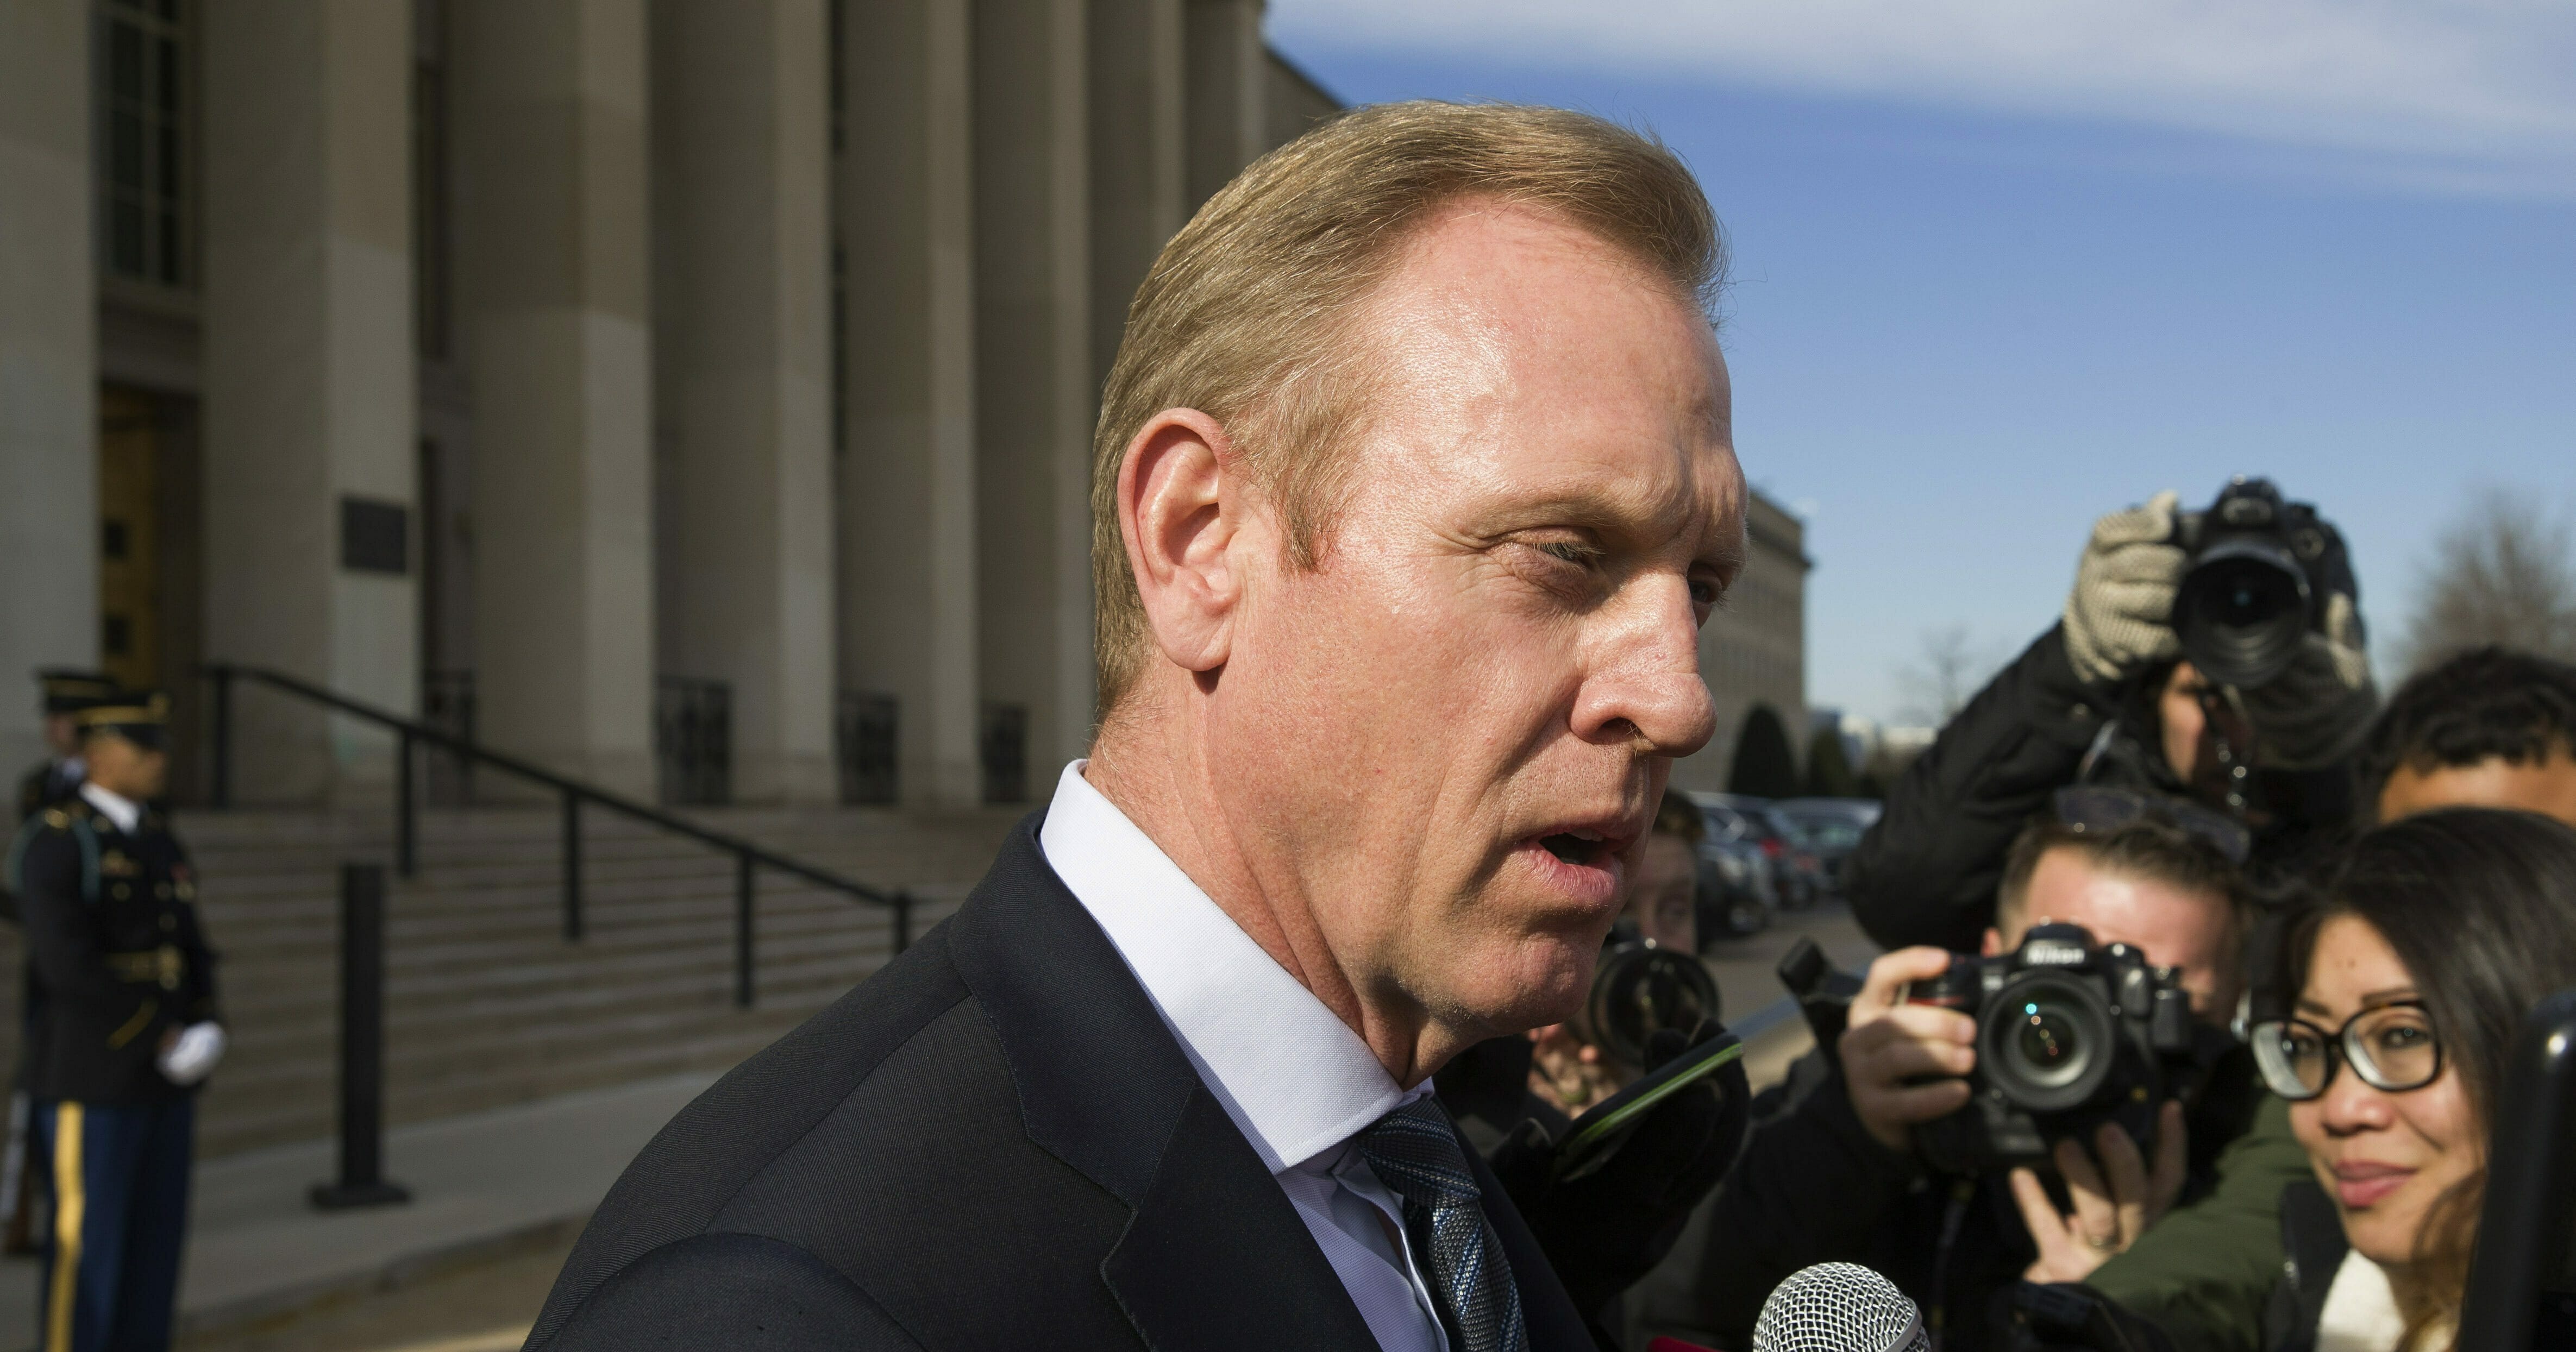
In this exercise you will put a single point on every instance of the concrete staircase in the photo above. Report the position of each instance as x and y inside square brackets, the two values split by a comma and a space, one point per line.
[486, 1003]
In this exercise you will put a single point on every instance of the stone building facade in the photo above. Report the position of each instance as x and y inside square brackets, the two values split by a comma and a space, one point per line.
[1753, 652]
[695, 398]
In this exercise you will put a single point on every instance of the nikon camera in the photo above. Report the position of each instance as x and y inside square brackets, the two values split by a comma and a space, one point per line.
[2260, 570]
[2069, 1035]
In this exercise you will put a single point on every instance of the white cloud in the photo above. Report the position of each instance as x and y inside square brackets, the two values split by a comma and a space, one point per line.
[2473, 93]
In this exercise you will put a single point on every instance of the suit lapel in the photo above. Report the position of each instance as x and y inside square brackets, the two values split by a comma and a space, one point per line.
[1215, 1257]
[1546, 1310]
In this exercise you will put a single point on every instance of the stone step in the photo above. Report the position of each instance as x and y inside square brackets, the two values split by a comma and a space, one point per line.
[486, 1003]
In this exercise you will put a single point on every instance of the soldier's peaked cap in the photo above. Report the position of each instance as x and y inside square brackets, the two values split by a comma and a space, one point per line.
[68, 690]
[137, 715]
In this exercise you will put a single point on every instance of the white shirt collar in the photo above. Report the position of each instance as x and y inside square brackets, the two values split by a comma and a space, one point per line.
[123, 811]
[1296, 1080]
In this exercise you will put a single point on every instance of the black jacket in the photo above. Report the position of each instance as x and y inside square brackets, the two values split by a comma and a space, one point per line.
[51, 784]
[1813, 1186]
[115, 955]
[993, 1142]
[1926, 872]
[2313, 1241]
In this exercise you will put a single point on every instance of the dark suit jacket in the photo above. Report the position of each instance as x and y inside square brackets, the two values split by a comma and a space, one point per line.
[992, 1143]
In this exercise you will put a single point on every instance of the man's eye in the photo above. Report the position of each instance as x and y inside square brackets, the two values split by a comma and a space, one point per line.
[1571, 551]
[1706, 593]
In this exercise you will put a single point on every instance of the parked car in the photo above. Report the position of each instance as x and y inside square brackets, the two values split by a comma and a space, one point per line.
[1798, 877]
[1736, 894]
[1831, 828]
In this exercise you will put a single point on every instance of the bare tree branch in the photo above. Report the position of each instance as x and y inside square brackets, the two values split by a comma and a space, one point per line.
[2503, 572]
[1948, 670]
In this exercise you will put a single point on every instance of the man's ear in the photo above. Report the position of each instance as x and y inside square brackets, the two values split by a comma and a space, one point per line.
[1180, 507]
[1994, 942]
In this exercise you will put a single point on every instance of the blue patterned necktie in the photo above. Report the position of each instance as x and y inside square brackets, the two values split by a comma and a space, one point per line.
[1414, 1152]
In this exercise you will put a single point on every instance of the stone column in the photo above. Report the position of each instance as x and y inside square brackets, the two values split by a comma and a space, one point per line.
[1035, 402]
[1137, 180]
[552, 238]
[906, 494]
[1228, 72]
[48, 362]
[742, 176]
[309, 398]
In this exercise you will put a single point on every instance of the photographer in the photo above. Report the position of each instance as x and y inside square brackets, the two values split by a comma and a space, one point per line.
[1572, 1073]
[1515, 1098]
[1834, 1170]
[2116, 694]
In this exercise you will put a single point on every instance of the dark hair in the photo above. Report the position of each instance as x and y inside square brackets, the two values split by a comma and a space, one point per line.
[2480, 905]
[1677, 815]
[2487, 703]
[2150, 849]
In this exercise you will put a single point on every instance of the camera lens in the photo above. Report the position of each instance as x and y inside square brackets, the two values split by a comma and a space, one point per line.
[2241, 611]
[2046, 1041]
[1640, 990]
[2049, 1049]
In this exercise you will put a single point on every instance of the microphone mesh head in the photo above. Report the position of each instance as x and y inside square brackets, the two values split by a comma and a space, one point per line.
[1838, 1307]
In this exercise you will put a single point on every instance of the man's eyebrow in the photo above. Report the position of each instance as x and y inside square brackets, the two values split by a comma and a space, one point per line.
[1581, 509]
[1729, 555]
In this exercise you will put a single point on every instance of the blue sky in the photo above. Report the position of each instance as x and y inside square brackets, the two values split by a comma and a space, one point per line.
[1990, 282]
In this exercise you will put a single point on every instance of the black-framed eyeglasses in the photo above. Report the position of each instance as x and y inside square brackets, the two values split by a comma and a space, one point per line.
[2097, 807]
[2392, 1048]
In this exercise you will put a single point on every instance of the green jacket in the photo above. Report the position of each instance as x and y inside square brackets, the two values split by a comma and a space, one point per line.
[2204, 1272]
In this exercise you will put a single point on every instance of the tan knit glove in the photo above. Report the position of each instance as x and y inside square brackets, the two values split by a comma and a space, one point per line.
[2119, 618]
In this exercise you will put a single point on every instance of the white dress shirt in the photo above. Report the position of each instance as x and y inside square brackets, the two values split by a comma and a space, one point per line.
[123, 811]
[1297, 1081]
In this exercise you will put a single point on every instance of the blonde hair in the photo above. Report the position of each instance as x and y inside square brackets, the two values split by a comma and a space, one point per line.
[1250, 313]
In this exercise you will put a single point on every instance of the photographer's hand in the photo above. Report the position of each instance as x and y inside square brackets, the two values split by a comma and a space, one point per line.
[1570, 1072]
[2113, 1205]
[2119, 617]
[1901, 1062]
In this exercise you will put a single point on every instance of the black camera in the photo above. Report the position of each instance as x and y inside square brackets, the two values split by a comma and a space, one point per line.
[2070, 1034]
[2260, 571]
[1639, 989]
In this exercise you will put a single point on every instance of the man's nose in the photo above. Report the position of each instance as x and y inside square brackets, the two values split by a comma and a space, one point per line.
[1648, 679]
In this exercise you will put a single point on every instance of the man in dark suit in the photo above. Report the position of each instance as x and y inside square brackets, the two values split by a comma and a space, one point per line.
[1412, 487]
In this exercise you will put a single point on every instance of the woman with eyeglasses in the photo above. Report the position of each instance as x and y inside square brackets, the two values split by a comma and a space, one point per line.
[2422, 954]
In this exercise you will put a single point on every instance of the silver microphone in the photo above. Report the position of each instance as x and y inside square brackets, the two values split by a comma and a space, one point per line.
[1839, 1307]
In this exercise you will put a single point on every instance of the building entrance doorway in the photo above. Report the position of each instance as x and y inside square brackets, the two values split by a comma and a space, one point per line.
[150, 605]
[129, 555]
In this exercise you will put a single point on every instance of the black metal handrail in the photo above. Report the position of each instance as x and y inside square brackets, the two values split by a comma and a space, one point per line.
[410, 733]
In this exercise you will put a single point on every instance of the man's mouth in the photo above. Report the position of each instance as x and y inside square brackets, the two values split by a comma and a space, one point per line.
[1580, 864]
[1587, 848]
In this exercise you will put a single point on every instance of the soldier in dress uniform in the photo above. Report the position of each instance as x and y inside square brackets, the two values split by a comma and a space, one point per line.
[122, 1030]
[57, 779]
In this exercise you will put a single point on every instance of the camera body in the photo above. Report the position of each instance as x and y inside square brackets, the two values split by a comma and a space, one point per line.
[1639, 989]
[2070, 1034]
[2259, 572]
